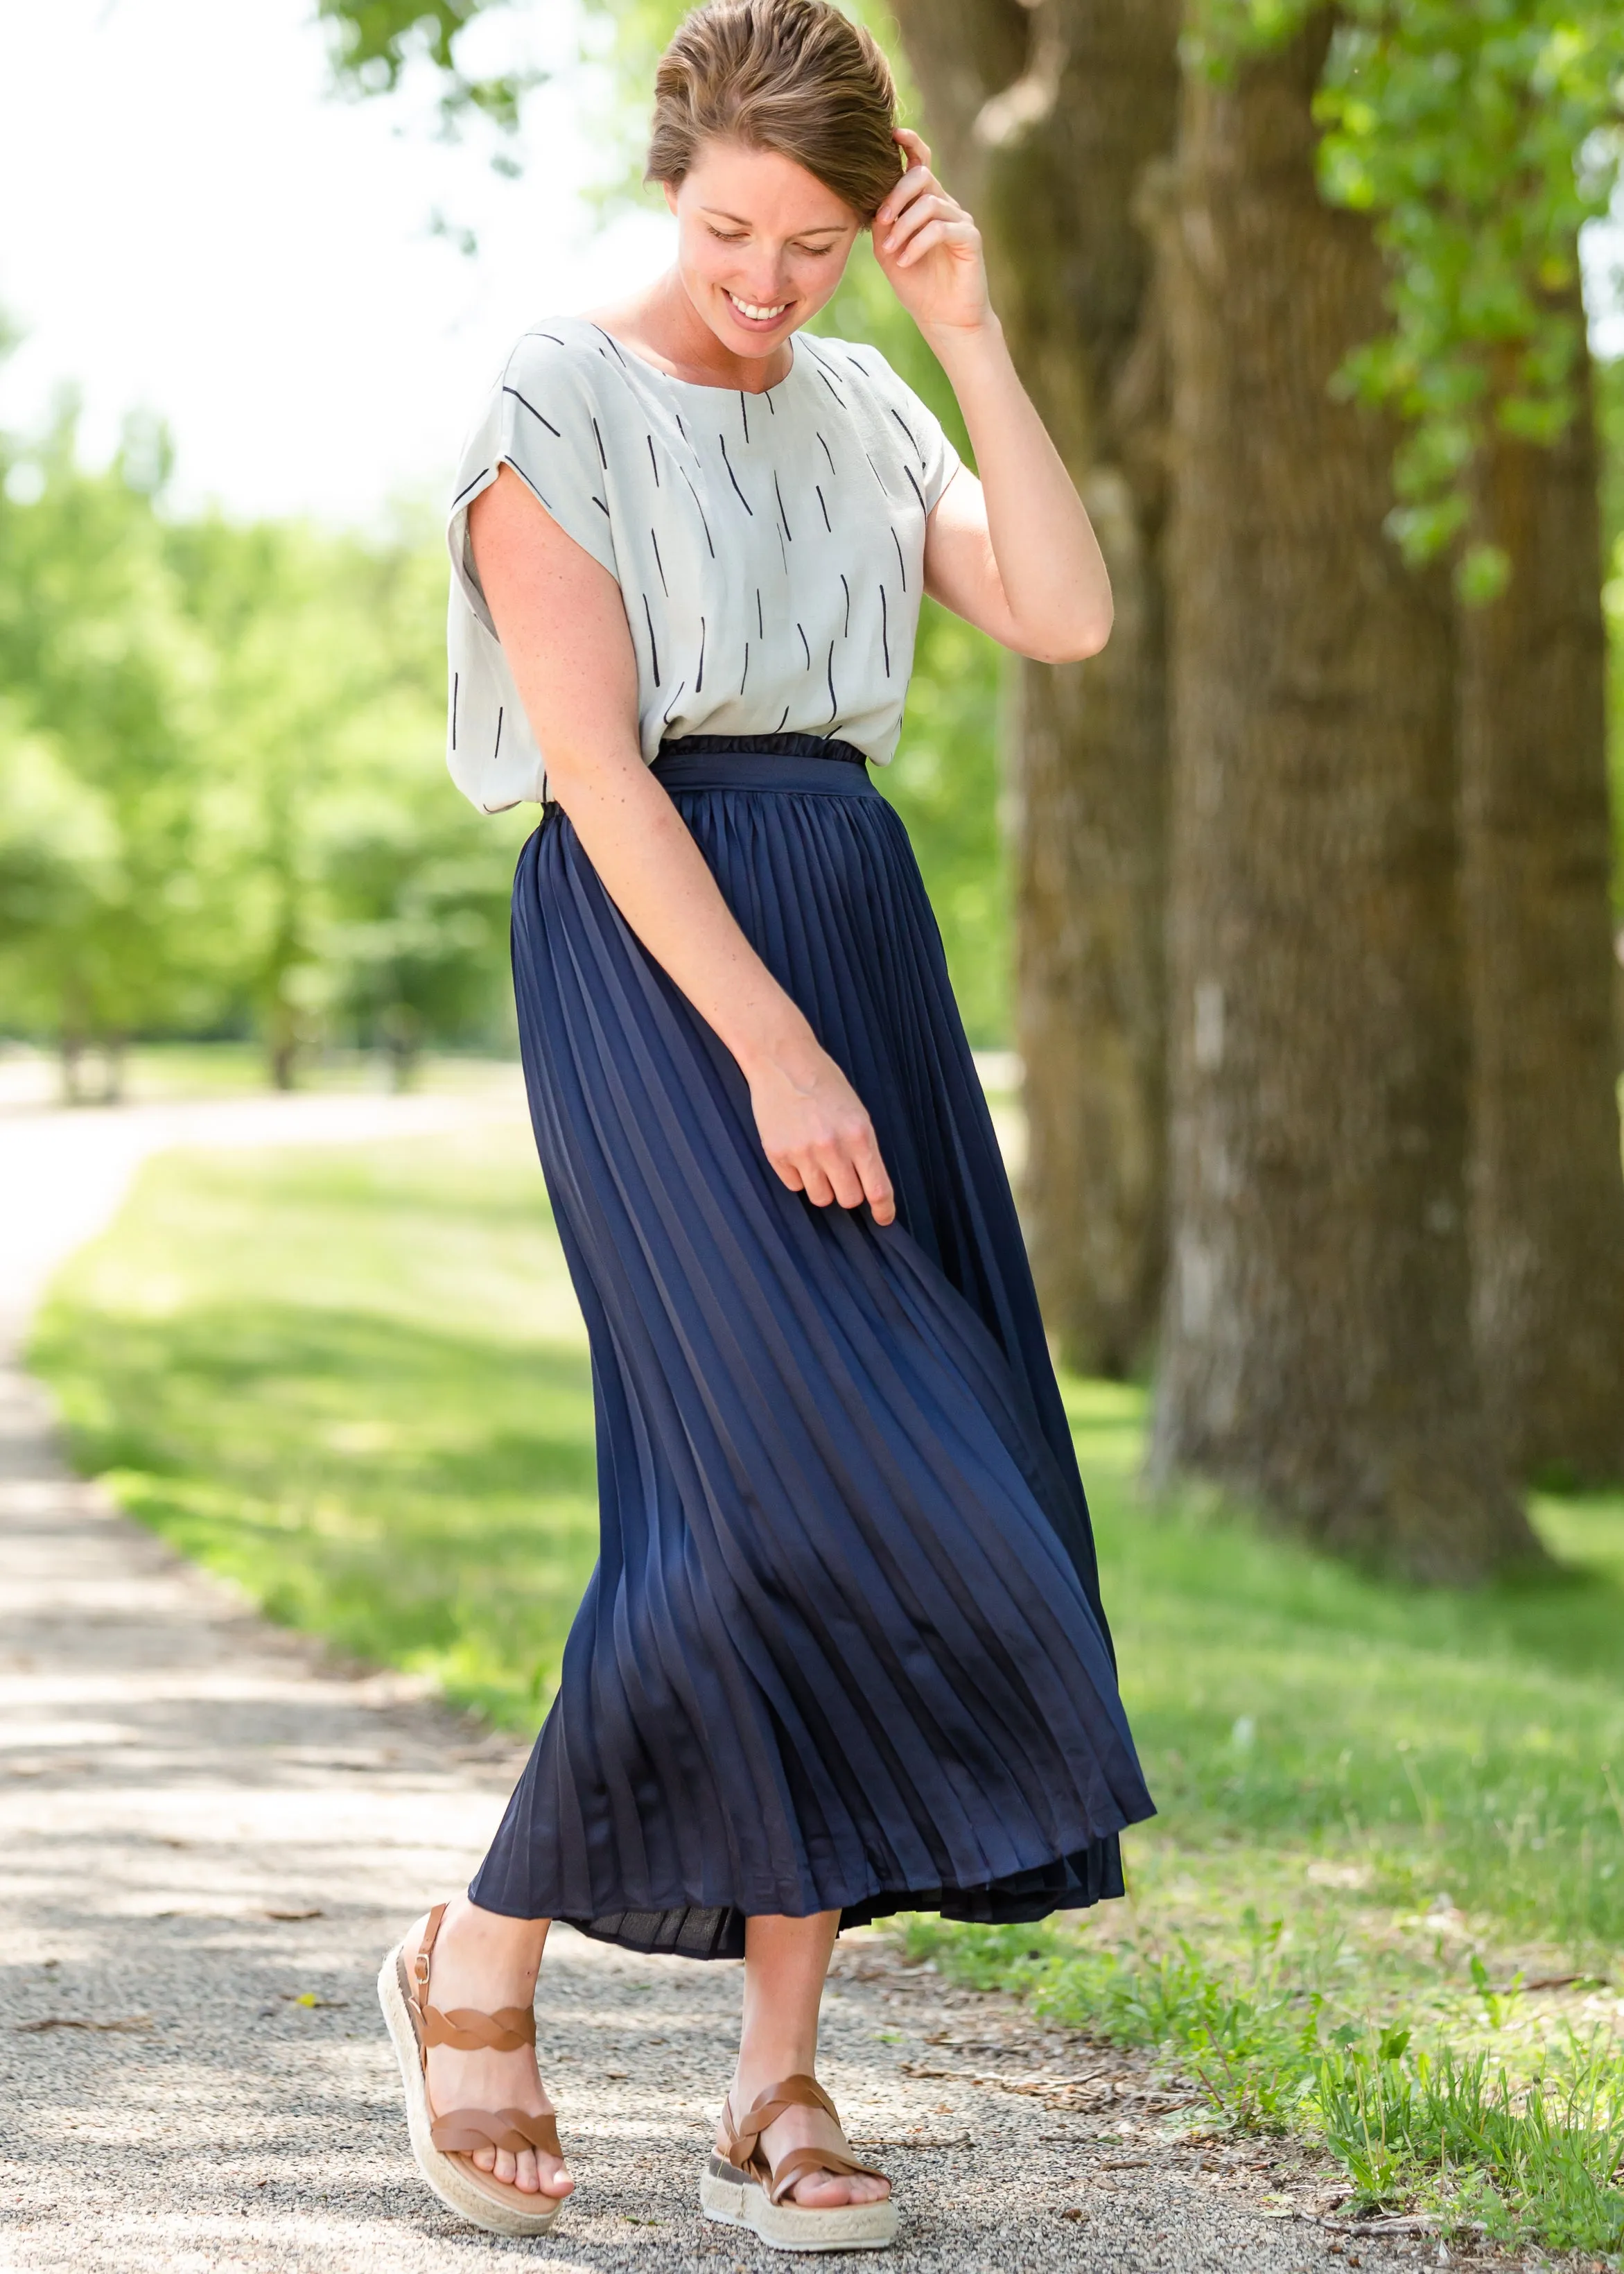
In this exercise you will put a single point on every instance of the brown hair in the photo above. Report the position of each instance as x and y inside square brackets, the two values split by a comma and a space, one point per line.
[793, 76]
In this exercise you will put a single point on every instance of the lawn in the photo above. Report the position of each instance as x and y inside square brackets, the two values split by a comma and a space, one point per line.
[356, 1382]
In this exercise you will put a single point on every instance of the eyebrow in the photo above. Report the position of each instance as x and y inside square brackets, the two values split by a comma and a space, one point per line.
[814, 229]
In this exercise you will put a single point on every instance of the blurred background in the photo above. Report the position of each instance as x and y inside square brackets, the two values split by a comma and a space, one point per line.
[1290, 932]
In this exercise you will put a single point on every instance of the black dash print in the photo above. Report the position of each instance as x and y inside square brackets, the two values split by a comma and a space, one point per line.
[829, 453]
[783, 516]
[497, 744]
[681, 429]
[829, 384]
[884, 631]
[613, 342]
[654, 462]
[601, 458]
[901, 564]
[659, 564]
[827, 524]
[761, 629]
[704, 524]
[770, 405]
[699, 680]
[602, 507]
[878, 476]
[675, 699]
[846, 589]
[474, 485]
[779, 729]
[833, 705]
[747, 666]
[455, 677]
[805, 649]
[530, 407]
[744, 415]
[733, 479]
[548, 335]
[529, 485]
[908, 431]
[783, 556]
[648, 618]
[917, 493]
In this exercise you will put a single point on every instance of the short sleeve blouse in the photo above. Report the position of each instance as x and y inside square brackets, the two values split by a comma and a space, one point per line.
[770, 548]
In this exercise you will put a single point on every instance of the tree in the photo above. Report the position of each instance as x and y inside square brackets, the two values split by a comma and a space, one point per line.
[1316, 1348]
[1547, 1191]
[1050, 117]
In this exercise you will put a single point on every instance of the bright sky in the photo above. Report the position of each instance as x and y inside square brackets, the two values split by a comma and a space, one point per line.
[191, 223]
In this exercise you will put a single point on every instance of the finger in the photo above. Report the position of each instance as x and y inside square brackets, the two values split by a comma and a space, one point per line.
[934, 208]
[956, 235]
[914, 184]
[875, 1184]
[915, 145]
[816, 1183]
[837, 1163]
[787, 1172]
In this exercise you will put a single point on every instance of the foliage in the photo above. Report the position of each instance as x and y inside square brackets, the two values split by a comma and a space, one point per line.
[222, 793]
[1481, 137]
[373, 41]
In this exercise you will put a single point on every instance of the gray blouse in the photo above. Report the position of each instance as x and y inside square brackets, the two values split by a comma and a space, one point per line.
[770, 548]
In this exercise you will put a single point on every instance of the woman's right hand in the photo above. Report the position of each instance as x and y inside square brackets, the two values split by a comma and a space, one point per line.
[815, 1130]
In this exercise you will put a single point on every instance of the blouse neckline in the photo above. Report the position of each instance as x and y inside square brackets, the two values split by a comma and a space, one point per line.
[704, 386]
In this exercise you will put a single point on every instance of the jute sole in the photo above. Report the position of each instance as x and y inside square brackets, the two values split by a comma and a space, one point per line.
[733, 2198]
[484, 2203]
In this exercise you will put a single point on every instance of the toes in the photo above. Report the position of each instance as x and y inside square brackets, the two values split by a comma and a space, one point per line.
[524, 2175]
[506, 2167]
[484, 2159]
[557, 2181]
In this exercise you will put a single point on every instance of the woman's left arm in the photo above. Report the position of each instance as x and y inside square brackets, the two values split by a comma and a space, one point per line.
[1014, 552]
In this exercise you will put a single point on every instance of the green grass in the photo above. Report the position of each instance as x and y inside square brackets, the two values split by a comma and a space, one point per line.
[356, 1382]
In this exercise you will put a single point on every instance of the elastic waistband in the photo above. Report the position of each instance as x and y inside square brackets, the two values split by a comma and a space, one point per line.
[798, 763]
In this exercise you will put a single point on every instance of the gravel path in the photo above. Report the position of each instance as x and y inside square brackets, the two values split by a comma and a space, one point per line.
[208, 1834]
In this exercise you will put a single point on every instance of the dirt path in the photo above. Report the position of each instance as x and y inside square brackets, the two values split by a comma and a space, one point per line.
[207, 1836]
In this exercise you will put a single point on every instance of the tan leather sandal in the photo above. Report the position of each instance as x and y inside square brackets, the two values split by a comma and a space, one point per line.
[444, 2146]
[744, 2188]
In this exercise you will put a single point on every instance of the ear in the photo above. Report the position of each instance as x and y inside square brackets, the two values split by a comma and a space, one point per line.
[670, 189]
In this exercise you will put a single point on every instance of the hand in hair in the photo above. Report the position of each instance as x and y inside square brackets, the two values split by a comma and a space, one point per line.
[929, 248]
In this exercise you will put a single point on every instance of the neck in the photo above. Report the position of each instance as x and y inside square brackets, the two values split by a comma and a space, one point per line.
[663, 325]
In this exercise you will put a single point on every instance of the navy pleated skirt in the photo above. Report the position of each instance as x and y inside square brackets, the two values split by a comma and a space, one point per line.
[844, 1648]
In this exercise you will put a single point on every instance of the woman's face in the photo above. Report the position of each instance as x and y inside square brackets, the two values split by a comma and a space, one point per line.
[761, 243]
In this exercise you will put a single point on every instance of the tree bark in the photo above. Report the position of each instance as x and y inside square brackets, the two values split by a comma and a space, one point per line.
[1316, 1350]
[1547, 1189]
[1047, 117]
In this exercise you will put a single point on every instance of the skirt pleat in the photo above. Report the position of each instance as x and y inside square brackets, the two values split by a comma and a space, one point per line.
[844, 1648]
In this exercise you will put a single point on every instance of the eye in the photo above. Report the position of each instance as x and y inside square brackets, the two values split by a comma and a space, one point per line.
[725, 235]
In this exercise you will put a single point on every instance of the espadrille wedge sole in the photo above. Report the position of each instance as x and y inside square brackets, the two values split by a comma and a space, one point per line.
[742, 2188]
[443, 2146]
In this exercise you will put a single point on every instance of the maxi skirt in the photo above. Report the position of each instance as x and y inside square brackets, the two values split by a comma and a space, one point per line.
[844, 1647]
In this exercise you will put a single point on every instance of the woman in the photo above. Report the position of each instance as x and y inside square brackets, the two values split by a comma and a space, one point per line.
[843, 1653]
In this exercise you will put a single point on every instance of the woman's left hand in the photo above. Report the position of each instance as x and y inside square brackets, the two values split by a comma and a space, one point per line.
[929, 248]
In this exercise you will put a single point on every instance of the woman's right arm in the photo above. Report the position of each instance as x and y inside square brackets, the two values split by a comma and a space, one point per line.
[562, 626]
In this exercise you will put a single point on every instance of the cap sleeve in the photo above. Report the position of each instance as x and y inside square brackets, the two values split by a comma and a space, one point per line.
[929, 454]
[542, 420]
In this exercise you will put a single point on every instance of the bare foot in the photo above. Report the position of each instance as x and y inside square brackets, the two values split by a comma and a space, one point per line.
[805, 2128]
[486, 1962]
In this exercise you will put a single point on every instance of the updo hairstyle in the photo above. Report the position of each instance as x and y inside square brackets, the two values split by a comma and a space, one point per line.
[793, 76]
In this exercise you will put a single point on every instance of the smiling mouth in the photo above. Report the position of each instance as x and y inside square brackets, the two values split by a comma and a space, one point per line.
[752, 312]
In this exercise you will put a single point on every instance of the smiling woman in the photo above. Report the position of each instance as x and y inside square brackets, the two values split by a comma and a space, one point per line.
[843, 1653]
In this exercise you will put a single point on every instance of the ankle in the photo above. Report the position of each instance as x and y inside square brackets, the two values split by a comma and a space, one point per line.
[473, 1943]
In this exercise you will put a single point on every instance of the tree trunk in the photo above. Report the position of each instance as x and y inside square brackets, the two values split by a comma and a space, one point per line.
[1316, 1350]
[1547, 1187]
[1047, 117]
